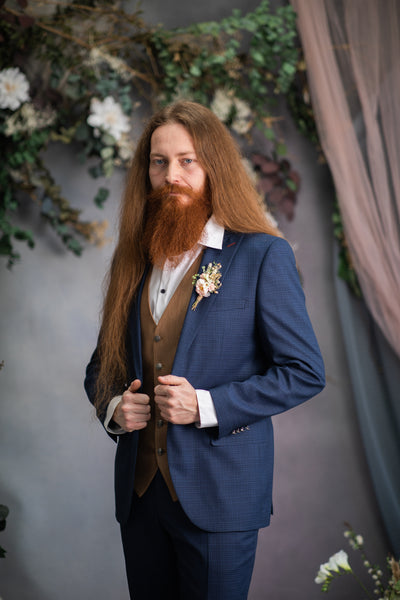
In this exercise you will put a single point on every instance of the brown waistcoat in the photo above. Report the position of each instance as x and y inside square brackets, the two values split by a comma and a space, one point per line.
[159, 344]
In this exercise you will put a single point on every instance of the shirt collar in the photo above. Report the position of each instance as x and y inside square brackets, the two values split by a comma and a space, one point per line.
[212, 235]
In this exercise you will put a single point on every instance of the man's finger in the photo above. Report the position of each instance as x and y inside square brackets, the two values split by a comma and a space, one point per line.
[171, 380]
[136, 409]
[132, 398]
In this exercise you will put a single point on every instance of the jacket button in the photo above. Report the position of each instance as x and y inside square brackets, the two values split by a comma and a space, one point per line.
[160, 423]
[157, 338]
[160, 451]
[158, 366]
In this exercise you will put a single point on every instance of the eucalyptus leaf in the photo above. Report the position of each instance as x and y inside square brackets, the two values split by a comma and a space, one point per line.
[101, 197]
[107, 152]
[107, 139]
[82, 132]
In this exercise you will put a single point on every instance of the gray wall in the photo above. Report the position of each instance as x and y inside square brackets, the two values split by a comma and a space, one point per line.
[56, 463]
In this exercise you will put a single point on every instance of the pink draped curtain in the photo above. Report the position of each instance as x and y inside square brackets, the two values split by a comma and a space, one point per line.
[352, 52]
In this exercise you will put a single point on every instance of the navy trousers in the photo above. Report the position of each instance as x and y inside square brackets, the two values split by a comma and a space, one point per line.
[169, 558]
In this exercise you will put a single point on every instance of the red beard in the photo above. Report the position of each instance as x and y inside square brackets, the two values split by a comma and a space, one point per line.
[173, 227]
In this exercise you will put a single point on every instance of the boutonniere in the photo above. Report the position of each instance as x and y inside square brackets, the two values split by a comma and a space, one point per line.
[207, 282]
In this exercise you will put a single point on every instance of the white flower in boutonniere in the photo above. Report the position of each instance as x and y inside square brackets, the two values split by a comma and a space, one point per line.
[207, 282]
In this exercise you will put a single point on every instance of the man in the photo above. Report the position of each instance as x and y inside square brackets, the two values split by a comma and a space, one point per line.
[187, 377]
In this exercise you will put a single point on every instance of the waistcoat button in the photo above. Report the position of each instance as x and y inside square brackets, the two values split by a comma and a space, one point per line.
[158, 366]
[160, 451]
[157, 338]
[160, 423]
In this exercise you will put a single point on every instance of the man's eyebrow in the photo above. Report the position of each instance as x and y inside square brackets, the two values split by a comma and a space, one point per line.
[178, 154]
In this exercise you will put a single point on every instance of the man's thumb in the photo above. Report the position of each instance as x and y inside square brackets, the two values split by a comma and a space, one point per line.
[135, 385]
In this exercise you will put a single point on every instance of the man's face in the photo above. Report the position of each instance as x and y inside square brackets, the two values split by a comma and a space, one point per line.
[173, 160]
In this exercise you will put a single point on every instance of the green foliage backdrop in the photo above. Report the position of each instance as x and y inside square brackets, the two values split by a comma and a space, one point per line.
[76, 73]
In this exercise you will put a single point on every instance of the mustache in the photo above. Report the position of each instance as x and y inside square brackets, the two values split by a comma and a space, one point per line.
[171, 189]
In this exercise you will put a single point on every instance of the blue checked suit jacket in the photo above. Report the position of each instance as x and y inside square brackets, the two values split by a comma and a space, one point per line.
[253, 347]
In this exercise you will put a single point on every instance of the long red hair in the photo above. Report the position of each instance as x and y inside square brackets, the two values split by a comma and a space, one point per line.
[235, 205]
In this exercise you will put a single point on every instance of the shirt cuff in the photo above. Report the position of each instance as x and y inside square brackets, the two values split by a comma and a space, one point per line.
[207, 412]
[113, 427]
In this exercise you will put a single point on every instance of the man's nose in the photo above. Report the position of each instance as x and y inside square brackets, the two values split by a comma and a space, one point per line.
[172, 173]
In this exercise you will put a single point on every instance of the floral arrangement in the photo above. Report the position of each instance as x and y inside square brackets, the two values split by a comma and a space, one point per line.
[338, 565]
[76, 73]
[207, 282]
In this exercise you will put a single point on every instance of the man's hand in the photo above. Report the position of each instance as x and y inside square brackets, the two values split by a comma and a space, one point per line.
[177, 400]
[133, 411]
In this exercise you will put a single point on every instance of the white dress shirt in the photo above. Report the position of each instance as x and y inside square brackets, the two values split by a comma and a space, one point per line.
[162, 286]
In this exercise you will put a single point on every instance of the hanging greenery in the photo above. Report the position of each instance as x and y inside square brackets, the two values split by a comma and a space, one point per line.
[75, 73]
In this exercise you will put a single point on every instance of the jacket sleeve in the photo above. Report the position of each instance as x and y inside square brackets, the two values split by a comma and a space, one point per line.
[90, 388]
[294, 367]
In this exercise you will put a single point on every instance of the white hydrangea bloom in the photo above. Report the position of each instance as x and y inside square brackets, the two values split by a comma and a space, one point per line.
[14, 88]
[222, 104]
[242, 121]
[243, 110]
[241, 126]
[108, 116]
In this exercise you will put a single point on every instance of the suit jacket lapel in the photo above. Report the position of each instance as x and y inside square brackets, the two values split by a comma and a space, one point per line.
[195, 318]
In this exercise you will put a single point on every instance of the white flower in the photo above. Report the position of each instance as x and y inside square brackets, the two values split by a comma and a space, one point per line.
[14, 88]
[28, 119]
[340, 559]
[243, 110]
[107, 115]
[323, 573]
[359, 540]
[125, 148]
[241, 126]
[98, 56]
[203, 288]
[241, 123]
[222, 105]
